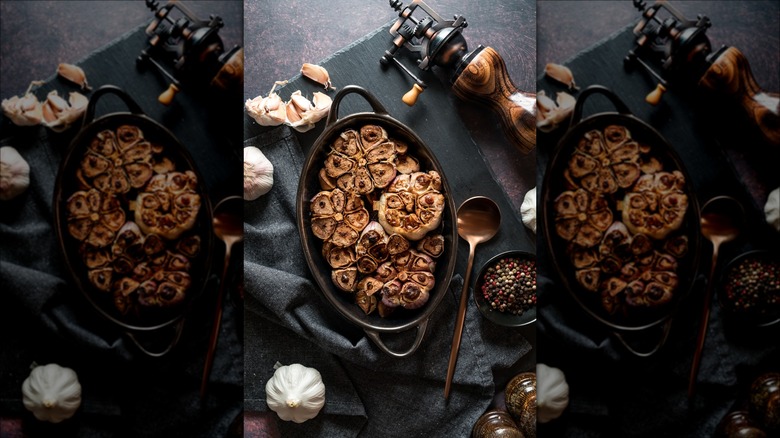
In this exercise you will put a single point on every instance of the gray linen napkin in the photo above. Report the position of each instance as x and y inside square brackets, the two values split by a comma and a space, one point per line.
[368, 393]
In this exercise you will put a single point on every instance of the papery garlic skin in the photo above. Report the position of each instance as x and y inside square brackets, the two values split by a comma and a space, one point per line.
[268, 110]
[74, 74]
[318, 74]
[59, 115]
[14, 173]
[553, 114]
[552, 393]
[528, 210]
[23, 111]
[258, 174]
[306, 113]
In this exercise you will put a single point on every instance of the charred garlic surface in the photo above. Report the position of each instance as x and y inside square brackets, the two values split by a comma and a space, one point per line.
[133, 217]
[620, 217]
[386, 257]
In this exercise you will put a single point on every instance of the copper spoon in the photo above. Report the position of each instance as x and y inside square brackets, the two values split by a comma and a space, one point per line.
[721, 221]
[229, 227]
[478, 221]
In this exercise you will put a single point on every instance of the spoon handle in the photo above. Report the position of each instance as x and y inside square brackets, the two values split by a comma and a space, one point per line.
[215, 328]
[705, 318]
[459, 322]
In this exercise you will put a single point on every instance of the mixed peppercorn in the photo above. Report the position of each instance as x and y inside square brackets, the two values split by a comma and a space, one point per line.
[752, 287]
[509, 286]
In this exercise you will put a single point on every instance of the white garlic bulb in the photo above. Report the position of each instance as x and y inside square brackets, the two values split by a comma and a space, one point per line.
[295, 392]
[552, 393]
[52, 393]
[528, 209]
[258, 174]
[14, 173]
[772, 209]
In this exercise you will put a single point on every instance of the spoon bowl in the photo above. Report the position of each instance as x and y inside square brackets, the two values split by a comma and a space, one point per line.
[228, 226]
[479, 219]
[722, 219]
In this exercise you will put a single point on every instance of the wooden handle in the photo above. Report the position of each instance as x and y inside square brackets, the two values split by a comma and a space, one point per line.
[486, 81]
[410, 98]
[167, 96]
[655, 96]
[730, 76]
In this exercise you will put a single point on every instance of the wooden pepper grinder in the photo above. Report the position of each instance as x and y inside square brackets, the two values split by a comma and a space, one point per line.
[479, 76]
[682, 50]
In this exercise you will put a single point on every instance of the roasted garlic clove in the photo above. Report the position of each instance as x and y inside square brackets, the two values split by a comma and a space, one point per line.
[74, 74]
[432, 245]
[561, 74]
[345, 279]
[318, 74]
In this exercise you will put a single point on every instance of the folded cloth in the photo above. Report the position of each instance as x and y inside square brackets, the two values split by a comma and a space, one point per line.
[44, 318]
[368, 393]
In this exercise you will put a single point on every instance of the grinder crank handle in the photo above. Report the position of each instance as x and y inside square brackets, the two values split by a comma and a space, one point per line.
[485, 80]
[730, 77]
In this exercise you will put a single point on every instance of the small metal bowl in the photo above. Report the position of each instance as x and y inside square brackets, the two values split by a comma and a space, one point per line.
[763, 318]
[495, 316]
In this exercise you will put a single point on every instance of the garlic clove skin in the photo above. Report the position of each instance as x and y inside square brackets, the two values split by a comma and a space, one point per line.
[561, 74]
[317, 74]
[58, 114]
[23, 111]
[74, 74]
[267, 110]
[14, 173]
[258, 174]
[306, 113]
[553, 114]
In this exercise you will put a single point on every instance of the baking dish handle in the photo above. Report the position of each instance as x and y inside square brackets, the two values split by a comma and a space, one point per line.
[333, 114]
[576, 114]
[176, 335]
[665, 329]
[89, 113]
[421, 329]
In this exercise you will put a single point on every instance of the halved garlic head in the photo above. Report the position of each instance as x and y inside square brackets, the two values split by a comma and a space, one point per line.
[413, 205]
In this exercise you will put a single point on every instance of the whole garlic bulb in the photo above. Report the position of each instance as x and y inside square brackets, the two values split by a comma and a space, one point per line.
[772, 209]
[295, 392]
[528, 209]
[52, 393]
[14, 173]
[258, 174]
[552, 393]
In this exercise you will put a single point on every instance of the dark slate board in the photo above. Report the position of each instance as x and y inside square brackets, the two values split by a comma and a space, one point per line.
[434, 118]
[123, 391]
[617, 394]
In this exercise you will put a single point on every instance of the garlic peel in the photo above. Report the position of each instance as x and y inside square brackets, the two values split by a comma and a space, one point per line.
[73, 73]
[258, 173]
[318, 74]
[14, 173]
[58, 114]
[299, 112]
[295, 392]
[23, 111]
[551, 114]
[561, 74]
